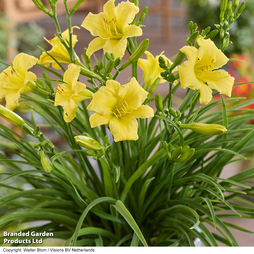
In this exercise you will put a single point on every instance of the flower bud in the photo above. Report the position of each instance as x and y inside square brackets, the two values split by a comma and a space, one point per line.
[240, 9]
[176, 153]
[154, 85]
[10, 116]
[40, 6]
[109, 67]
[212, 34]
[159, 102]
[142, 15]
[186, 155]
[190, 26]
[45, 162]
[235, 5]
[136, 2]
[179, 58]
[203, 128]
[118, 61]
[142, 47]
[225, 43]
[87, 142]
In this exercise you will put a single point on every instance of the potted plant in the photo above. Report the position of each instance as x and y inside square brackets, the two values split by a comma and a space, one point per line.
[126, 174]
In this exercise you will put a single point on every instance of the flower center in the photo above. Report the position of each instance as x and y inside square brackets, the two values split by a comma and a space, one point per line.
[205, 70]
[121, 110]
[111, 28]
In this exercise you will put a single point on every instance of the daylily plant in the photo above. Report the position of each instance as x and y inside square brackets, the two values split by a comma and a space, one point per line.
[71, 92]
[112, 28]
[58, 51]
[119, 106]
[200, 70]
[13, 80]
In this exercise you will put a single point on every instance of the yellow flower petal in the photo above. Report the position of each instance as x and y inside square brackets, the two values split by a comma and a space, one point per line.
[124, 128]
[187, 75]
[132, 30]
[70, 111]
[71, 74]
[221, 81]
[125, 13]
[117, 47]
[133, 94]
[12, 100]
[103, 101]
[98, 119]
[221, 60]
[205, 94]
[95, 45]
[94, 24]
[22, 62]
[58, 50]
[108, 8]
[144, 111]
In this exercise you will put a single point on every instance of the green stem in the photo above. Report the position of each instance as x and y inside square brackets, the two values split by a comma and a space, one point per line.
[70, 48]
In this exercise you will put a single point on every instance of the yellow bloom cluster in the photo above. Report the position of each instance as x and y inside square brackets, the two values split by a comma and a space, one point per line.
[115, 105]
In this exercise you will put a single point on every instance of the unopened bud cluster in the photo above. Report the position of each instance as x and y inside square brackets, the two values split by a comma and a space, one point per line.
[178, 153]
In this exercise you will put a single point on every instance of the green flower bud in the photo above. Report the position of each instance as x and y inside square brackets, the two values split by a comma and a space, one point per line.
[235, 5]
[176, 153]
[223, 5]
[136, 2]
[225, 43]
[154, 85]
[240, 9]
[106, 140]
[87, 59]
[137, 54]
[11, 117]
[193, 37]
[190, 26]
[87, 142]
[108, 56]
[40, 6]
[45, 162]
[165, 145]
[90, 153]
[142, 15]
[109, 67]
[186, 155]
[179, 58]
[159, 102]
[203, 128]
[32, 85]
[118, 61]
[212, 34]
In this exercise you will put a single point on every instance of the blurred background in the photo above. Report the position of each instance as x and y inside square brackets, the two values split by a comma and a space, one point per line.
[23, 26]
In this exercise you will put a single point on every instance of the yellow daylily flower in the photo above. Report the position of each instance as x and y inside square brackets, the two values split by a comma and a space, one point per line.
[71, 92]
[13, 80]
[112, 28]
[151, 68]
[200, 70]
[58, 51]
[119, 106]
